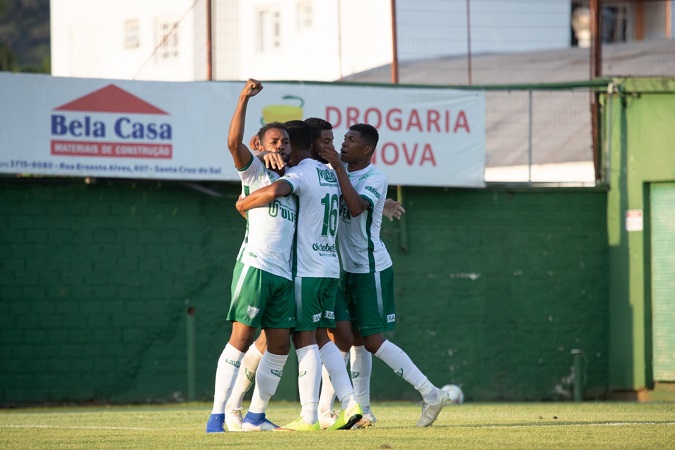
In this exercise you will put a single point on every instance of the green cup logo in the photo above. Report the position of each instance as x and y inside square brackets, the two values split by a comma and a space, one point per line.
[281, 112]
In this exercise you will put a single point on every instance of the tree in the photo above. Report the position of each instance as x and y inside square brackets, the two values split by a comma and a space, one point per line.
[25, 36]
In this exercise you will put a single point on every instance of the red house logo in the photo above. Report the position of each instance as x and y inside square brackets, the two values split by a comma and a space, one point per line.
[111, 122]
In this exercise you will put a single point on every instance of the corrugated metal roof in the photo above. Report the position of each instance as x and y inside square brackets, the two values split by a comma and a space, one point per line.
[560, 132]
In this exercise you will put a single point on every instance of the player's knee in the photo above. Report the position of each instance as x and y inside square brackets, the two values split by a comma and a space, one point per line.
[373, 343]
[344, 343]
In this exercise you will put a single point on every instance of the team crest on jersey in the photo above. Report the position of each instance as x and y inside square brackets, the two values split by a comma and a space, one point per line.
[391, 318]
[252, 311]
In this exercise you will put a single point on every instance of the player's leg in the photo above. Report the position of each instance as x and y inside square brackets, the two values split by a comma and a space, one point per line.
[226, 373]
[361, 363]
[277, 319]
[267, 380]
[342, 337]
[243, 331]
[309, 380]
[379, 288]
[361, 360]
[308, 294]
[334, 363]
[339, 332]
[244, 381]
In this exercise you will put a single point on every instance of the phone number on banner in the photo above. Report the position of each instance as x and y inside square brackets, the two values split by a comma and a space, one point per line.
[65, 168]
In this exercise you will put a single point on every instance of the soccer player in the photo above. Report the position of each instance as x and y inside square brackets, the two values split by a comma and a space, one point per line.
[316, 270]
[262, 286]
[368, 279]
[341, 335]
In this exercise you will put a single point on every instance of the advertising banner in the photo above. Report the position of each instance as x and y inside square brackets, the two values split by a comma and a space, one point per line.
[178, 130]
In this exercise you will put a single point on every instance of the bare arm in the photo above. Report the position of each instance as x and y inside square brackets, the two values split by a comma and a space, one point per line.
[264, 196]
[240, 153]
[355, 203]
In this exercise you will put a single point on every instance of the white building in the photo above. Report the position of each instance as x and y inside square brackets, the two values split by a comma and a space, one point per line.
[321, 40]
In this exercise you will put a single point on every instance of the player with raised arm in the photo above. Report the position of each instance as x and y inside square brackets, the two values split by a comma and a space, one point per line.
[316, 270]
[341, 335]
[262, 287]
[368, 278]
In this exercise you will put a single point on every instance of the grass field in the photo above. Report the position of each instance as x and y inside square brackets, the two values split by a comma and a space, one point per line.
[481, 425]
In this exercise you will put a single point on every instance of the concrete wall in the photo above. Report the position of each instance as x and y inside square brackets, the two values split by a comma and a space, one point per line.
[638, 125]
[494, 289]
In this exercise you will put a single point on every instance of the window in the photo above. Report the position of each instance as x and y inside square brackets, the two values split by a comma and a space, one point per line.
[167, 40]
[304, 15]
[131, 34]
[269, 30]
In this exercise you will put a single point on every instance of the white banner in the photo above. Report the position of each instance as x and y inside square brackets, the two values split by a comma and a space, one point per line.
[168, 130]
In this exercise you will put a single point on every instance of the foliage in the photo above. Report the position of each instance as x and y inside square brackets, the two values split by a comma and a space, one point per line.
[24, 36]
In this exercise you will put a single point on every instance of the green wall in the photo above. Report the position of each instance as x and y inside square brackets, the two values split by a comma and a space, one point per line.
[494, 289]
[640, 138]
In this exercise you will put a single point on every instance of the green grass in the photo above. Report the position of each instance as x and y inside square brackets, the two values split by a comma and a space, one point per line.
[481, 425]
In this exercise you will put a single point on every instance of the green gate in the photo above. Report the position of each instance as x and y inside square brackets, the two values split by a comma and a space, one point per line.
[663, 279]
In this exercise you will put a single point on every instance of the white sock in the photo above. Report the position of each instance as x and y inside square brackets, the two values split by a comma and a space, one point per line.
[245, 378]
[309, 380]
[361, 369]
[267, 379]
[334, 363]
[226, 373]
[402, 365]
[327, 396]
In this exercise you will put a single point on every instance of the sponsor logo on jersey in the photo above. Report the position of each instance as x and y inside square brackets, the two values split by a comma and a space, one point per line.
[391, 318]
[276, 208]
[319, 247]
[252, 311]
[330, 315]
[344, 213]
[326, 176]
[276, 372]
[373, 190]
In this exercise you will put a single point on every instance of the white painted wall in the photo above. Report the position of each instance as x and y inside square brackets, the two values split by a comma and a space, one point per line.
[340, 41]
[87, 39]
[344, 37]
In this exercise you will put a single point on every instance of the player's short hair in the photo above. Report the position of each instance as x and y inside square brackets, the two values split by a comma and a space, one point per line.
[368, 132]
[299, 134]
[317, 122]
[318, 125]
[269, 126]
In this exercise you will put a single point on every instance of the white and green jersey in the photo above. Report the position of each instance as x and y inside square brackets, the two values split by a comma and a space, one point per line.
[270, 229]
[318, 192]
[361, 249]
